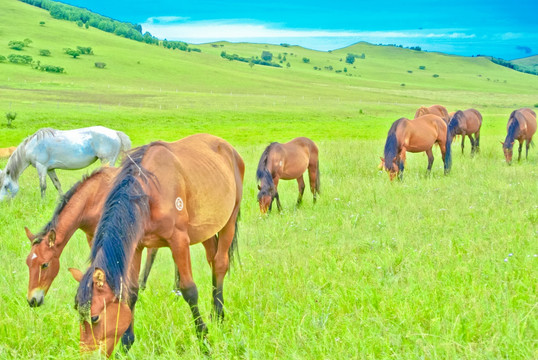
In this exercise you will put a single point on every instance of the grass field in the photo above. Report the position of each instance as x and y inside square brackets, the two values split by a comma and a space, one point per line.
[438, 267]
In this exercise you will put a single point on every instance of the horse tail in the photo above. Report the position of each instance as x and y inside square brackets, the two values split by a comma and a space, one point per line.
[318, 184]
[125, 141]
[391, 145]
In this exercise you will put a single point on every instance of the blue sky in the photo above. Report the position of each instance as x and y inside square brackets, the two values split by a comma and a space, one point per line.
[503, 29]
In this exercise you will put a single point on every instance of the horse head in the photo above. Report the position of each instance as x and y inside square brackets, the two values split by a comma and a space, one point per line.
[43, 265]
[391, 170]
[508, 150]
[9, 187]
[105, 318]
[266, 196]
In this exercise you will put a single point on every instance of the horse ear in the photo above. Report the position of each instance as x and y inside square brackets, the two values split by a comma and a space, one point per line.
[502, 142]
[77, 274]
[29, 234]
[259, 187]
[52, 238]
[99, 277]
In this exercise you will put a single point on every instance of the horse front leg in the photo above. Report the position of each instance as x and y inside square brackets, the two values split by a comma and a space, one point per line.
[519, 150]
[55, 181]
[473, 145]
[527, 145]
[42, 173]
[463, 141]
[401, 163]
[179, 244]
[278, 205]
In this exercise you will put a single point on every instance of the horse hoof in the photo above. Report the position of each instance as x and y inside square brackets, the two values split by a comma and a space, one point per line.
[177, 293]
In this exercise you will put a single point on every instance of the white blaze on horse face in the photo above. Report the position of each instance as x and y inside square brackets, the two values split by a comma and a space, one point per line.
[179, 204]
[33, 256]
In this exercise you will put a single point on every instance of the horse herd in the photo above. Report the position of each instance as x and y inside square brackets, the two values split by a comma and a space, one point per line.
[175, 194]
[434, 125]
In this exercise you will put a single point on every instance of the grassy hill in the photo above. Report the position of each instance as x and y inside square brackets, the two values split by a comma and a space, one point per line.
[142, 80]
[435, 267]
[527, 63]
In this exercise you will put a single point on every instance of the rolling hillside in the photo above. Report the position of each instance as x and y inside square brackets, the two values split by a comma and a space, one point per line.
[142, 82]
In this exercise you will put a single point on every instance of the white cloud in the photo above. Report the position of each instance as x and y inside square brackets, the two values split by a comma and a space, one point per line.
[165, 19]
[235, 30]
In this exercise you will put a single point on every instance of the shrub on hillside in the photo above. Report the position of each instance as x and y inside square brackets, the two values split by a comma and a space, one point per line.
[435, 75]
[2, 58]
[10, 116]
[44, 52]
[19, 59]
[422, 67]
[50, 68]
[306, 60]
[100, 65]
[42, 23]
[71, 52]
[267, 56]
[85, 50]
[16, 45]
[350, 58]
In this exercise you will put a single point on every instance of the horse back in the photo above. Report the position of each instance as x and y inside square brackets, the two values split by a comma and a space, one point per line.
[199, 184]
[422, 132]
[294, 157]
[529, 117]
[473, 120]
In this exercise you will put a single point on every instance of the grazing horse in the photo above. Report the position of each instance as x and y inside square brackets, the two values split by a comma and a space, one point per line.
[79, 208]
[521, 127]
[6, 152]
[166, 194]
[417, 135]
[464, 123]
[287, 162]
[50, 149]
[438, 110]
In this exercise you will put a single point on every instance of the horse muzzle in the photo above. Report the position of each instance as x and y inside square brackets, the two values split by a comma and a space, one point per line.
[36, 298]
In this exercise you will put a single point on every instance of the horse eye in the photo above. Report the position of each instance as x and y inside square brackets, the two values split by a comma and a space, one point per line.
[95, 319]
[45, 265]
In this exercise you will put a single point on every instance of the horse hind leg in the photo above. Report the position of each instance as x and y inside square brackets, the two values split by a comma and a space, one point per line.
[42, 173]
[300, 183]
[473, 145]
[313, 177]
[429, 152]
[151, 254]
[55, 181]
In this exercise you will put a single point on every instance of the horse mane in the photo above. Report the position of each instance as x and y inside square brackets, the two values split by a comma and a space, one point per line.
[16, 159]
[262, 172]
[421, 111]
[513, 129]
[453, 124]
[64, 200]
[391, 145]
[126, 206]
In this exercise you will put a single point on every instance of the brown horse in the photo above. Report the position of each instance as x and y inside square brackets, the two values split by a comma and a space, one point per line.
[464, 123]
[415, 135]
[287, 162]
[166, 194]
[6, 152]
[438, 110]
[521, 127]
[79, 208]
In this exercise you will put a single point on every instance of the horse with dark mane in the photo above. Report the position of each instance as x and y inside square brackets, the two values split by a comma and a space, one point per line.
[417, 135]
[79, 208]
[166, 194]
[287, 161]
[464, 123]
[50, 149]
[521, 127]
[438, 110]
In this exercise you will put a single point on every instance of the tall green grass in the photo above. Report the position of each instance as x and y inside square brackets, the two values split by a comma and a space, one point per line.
[432, 267]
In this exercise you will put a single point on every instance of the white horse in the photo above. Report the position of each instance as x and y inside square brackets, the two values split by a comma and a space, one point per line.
[50, 149]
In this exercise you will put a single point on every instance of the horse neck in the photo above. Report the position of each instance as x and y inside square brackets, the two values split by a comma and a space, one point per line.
[17, 163]
[513, 131]
[73, 217]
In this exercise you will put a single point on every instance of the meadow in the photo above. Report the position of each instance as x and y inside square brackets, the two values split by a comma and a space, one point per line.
[433, 267]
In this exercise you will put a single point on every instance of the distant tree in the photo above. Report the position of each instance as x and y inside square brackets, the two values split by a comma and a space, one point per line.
[10, 117]
[27, 42]
[100, 65]
[288, 65]
[86, 26]
[422, 67]
[80, 23]
[251, 63]
[71, 52]
[306, 60]
[267, 56]
[44, 52]
[350, 58]
[435, 75]
[42, 23]
[19, 59]
[85, 50]
[16, 45]
[2, 58]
